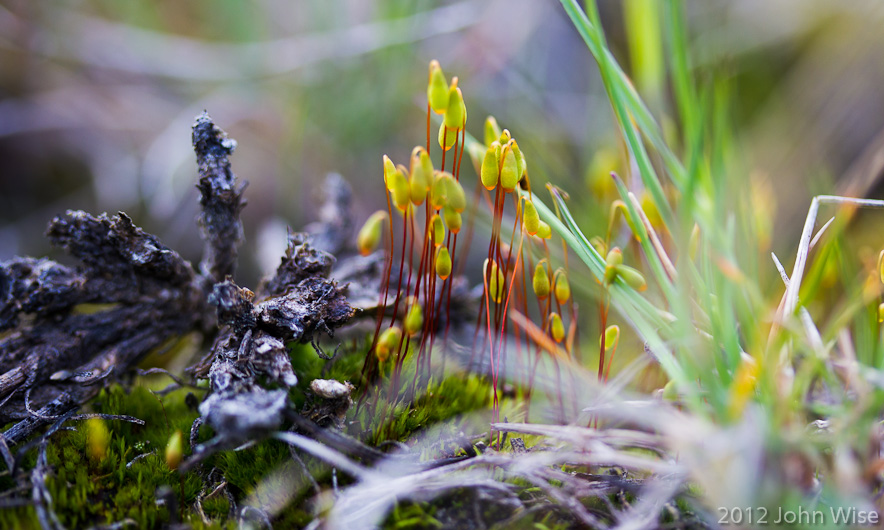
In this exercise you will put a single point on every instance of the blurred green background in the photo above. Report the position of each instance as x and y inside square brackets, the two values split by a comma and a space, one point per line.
[97, 98]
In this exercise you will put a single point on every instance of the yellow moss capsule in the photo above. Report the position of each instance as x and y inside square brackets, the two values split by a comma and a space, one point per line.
[881, 266]
[562, 288]
[438, 230]
[632, 277]
[556, 327]
[881, 312]
[543, 230]
[670, 391]
[492, 130]
[421, 172]
[612, 337]
[437, 88]
[614, 258]
[388, 343]
[370, 234]
[490, 171]
[541, 280]
[175, 450]
[694, 243]
[520, 159]
[530, 218]
[98, 437]
[447, 137]
[443, 263]
[439, 192]
[414, 320]
[509, 170]
[400, 189]
[457, 199]
[599, 245]
[598, 174]
[496, 281]
[456, 113]
[763, 199]
[389, 169]
[453, 220]
[650, 209]
[523, 164]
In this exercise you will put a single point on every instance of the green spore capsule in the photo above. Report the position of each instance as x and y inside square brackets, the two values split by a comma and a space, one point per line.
[562, 288]
[530, 218]
[490, 172]
[540, 281]
[492, 130]
[443, 263]
[370, 234]
[453, 219]
[437, 88]
[509, 170]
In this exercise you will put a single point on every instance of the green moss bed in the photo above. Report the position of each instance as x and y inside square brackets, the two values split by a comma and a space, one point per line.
[104, 472]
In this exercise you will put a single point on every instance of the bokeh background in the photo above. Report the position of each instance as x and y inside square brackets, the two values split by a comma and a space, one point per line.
[97, 98]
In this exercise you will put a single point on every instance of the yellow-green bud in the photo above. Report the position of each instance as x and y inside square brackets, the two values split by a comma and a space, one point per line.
[443, 263]
[599, 245]
[437, 88]
[694, 243]
[530, 218]
[453, 220]
[650, 209]
[389, 169]
[388, 343]
[370, 234]
[439, 192]
[456, 113]
[670, 391]
[492, 130]
[562, 288]
[556, 327]
[543, 230]
[612, 337]
[881, 266]
[520, 159]
[175, 450]
[881, 312]
[447, 137]
[414, 319]
[98, 437]
[421, 172]
[490, 172]
[438, 230]
[457, 199]
[614, 258]
[505, 137]
[598, 173]
[509, 171]
[495, 281]
[541, 280]
[632, 277]
[400, 189]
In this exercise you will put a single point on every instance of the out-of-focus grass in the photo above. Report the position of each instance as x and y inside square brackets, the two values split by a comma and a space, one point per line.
[732, 349]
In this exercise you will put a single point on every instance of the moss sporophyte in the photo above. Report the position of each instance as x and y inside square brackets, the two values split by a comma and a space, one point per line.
[423, 259]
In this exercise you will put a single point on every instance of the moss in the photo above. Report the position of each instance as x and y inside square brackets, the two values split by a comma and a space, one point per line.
[100, 489]
[90, 488]
[443, 399]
